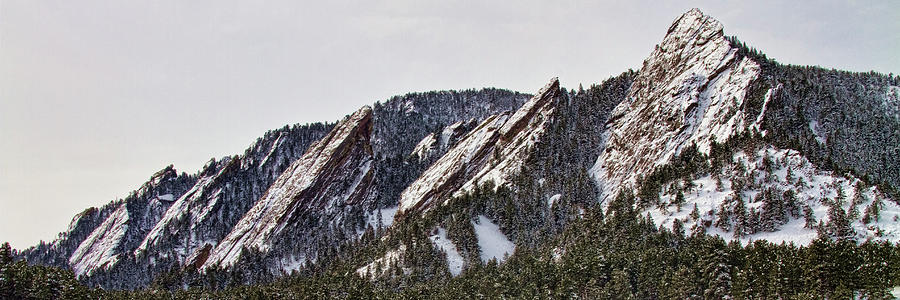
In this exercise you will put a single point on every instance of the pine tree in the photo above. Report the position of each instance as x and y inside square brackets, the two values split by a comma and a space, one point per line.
[809, 217]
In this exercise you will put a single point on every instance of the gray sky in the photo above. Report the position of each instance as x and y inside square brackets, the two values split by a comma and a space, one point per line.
[95, 96]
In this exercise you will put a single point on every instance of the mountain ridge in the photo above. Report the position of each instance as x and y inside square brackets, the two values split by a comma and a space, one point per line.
[713, 137]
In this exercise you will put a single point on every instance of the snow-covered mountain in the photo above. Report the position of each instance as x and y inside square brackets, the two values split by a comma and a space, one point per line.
[178, 221]
[98, 238]
[495, 150]
[334, 173]
[690, 90]
[699, 90]
[710, 135]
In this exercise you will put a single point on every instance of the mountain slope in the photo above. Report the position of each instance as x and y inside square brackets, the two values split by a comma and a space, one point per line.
[102, 235]
[710, 137]
[493, 151]
[690, 90]
[225, 191]
[704, 109]
[333, 173]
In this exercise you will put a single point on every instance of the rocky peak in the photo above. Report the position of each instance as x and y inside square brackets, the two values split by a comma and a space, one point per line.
[334, 172]
[130, 220]
[690, 90]
[493, 151]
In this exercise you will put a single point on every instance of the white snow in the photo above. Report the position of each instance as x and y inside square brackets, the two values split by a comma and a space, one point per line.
[817, 185]
[387, 217]
[98, 250]
[166, 197]
[892, 101]
[452, 162]
[271, 150]
[493, 243]
[553, 199]
[454, 260]
[382, 265]
[493, 151]
[424, 147]
[292, 263]
[817, 132]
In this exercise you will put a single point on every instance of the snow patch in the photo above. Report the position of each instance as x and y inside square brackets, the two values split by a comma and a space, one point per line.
[424, 147]
[292, 263]
[553, 199]
[817, 132]
[790, 171]
[892, 101]
[454, 260]
[382, 265]
[387, 217]
[492, 242]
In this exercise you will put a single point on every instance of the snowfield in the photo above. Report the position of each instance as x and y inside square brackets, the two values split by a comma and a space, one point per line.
[811, 185]
[493, 243]
[454, 260]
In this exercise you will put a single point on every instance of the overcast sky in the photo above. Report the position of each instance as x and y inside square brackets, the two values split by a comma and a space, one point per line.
[95, 96]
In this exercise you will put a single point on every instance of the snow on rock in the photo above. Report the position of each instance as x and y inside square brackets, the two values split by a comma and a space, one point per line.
[99, 250]
[787, 170]
[436, 145]
[425, 146]
[552, 199]
[493, 243]
[386, 220]
[690, 90]
[454, 260]
[224, 191]
[493, 151]
[166, 197]
[383, 264]
[333, 172]
[194, 205]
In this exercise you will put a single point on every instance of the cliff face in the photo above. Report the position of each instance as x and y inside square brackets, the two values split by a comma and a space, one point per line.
[225, 191]
[129, 220]
[494, 151]
[333, 173]
[699, 87]
[690, 90]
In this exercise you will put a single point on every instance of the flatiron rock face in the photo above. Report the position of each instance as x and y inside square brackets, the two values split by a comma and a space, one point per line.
[690, 90]
[334, 172]
[493, 151]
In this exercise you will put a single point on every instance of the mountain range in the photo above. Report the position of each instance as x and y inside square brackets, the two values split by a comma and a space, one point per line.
[708, 137]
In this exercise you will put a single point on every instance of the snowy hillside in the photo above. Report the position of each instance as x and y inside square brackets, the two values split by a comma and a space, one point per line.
[779, 196]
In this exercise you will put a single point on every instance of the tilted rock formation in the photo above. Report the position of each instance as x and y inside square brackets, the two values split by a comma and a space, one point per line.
[493, 151]
[690, 90]
[334, 172]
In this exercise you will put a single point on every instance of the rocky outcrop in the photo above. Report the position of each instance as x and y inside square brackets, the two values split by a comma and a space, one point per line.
[434, 145]
[130, 220]
[691, 90]
[225, 191]
[493, 151]
[334, 172]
